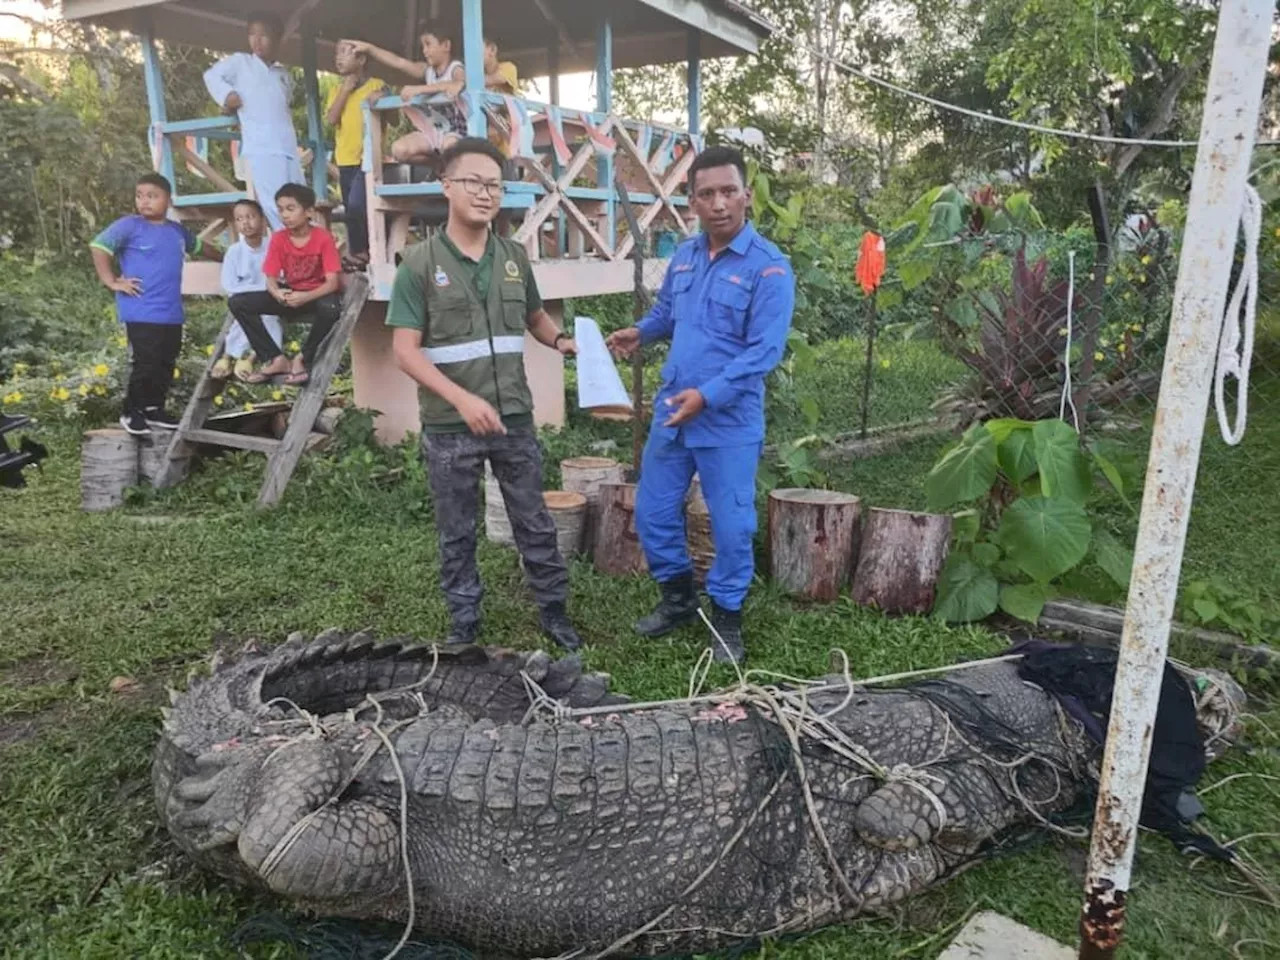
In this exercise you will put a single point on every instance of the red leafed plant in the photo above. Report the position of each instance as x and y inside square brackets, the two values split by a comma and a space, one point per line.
[1014, 339]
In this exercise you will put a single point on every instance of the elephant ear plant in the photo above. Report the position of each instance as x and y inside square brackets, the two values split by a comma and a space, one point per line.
[1021, 489]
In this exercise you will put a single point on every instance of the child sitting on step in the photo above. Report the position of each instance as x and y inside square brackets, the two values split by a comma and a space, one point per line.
[242, 273]
[150, 250]
[303, 277]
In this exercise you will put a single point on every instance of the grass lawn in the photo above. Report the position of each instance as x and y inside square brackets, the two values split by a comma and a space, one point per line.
[148, 591]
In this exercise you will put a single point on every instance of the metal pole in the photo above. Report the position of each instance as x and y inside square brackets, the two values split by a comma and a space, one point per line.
[1227, 135]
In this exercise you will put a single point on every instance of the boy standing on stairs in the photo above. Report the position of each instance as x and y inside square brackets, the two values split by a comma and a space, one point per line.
[460, 306]
[345, 113]
[150, 249]
[303, 273]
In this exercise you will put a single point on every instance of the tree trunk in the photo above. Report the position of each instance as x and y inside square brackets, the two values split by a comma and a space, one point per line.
[585, 475]
[617, 548]
[812, 541]
[108, 464]
[901, 556]
[702, 547]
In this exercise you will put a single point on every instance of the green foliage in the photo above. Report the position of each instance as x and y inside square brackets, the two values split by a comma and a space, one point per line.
[1215, 604]
[1027, 486]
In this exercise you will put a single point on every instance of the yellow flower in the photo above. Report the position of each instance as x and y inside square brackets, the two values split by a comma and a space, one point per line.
[1135, 327]
[15, 397]
[60, 394]
[176, 373]
[277, 394]
[208, 351]
[1105, 342]
[293, 346]
[1062, 331]
[1099, 356]
[248, 408]
[1122, 347]
[1142, 278]
[884, 364]
[1110, 280]
[58, 378]
[84, 390]
[101, 370]
[122, 341]
[99, 391]
[20, 368]
[217, 401]
[1146, 260]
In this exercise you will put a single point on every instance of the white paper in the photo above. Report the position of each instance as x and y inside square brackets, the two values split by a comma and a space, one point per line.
[598, 382]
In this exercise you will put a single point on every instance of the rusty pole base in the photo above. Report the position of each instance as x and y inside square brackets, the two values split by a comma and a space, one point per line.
[1101, 921]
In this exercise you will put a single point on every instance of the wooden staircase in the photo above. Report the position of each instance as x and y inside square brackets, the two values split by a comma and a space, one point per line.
[283, 454]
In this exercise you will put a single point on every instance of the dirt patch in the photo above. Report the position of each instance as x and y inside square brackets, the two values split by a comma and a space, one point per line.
[39, 671]
[24, 727]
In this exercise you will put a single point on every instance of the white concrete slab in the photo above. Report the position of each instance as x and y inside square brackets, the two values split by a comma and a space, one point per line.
[991, 936]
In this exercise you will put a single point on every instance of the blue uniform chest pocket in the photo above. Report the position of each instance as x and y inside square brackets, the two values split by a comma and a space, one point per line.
[727, 305]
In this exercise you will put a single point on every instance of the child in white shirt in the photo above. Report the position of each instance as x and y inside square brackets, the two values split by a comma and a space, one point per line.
[241, 273]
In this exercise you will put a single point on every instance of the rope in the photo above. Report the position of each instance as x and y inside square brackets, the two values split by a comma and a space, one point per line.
[849, 69]
[1066, 355]
[1235, 346]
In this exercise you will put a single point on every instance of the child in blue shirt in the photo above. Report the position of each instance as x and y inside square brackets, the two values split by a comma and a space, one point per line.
[150, 250]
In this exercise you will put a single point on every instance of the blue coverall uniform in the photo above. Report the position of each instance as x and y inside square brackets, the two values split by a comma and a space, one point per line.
[728, 320]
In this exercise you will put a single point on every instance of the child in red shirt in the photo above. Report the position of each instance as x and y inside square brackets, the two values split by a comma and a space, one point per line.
[302, 269]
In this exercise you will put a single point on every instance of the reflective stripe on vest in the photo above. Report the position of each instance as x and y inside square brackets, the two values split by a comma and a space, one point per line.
[473, 350]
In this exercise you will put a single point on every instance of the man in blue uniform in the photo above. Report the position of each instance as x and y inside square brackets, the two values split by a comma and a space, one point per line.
[726, 305]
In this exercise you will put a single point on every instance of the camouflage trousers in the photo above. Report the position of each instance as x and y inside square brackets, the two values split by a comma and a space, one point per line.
[455, 465]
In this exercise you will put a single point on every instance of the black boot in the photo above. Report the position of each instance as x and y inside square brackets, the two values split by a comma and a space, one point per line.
[728, 624]
[463, 633]
[678, 606]
[556, 625]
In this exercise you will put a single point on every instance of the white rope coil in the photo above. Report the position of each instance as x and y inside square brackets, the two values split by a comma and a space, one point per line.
[1235, 344]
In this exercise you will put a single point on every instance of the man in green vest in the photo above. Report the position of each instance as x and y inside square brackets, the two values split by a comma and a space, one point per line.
[460, 305]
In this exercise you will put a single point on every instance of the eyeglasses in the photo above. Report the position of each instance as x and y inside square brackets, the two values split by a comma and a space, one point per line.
[475, 186]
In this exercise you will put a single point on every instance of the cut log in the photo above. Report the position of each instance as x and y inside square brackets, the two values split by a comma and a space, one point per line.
[108, 464]
[617, 550]
[569, 512]
[901, 556]
[702, 548]
[584, 475]
[497, 527]
[812, 540]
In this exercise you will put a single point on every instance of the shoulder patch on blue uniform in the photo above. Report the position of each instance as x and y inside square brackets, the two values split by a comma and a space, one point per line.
[773, 272]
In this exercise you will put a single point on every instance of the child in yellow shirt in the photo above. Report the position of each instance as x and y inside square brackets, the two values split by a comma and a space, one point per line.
[345, 114]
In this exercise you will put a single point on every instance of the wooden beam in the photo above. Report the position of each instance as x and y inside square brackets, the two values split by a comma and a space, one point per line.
[672, 180]
[604, 104]
[410, 50]
[562, 32]
[315, 128]
[155, 93]
[188, 156]
[473, 62]
[693, 81]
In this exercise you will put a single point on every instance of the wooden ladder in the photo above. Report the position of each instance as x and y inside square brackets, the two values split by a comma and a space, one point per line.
[283, 454]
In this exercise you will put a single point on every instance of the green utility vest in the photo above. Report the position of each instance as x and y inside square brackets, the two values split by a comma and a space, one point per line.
[479, 345]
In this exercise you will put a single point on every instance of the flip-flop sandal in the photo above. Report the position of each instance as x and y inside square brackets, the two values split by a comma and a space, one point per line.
[296, 379]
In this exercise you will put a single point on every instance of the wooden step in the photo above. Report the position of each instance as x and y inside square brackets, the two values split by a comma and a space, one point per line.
[246, 441]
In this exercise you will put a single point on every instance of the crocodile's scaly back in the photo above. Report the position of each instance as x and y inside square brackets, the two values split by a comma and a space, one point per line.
[357, 778]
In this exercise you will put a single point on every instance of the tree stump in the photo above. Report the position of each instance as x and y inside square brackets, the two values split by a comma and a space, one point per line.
[497, 527]
[901, 557]
[702, 548]
[569, 513]
[617, 549]
[813, 536]
[108, 464]
[584, 475]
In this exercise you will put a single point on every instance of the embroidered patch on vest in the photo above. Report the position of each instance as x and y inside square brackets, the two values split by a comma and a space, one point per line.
[512, 270]
[441, 278]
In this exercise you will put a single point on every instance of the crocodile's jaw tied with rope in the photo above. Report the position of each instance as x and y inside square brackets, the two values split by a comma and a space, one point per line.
[436, 787]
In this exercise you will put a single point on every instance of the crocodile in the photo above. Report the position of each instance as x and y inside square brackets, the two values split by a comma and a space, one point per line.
[515, 805]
